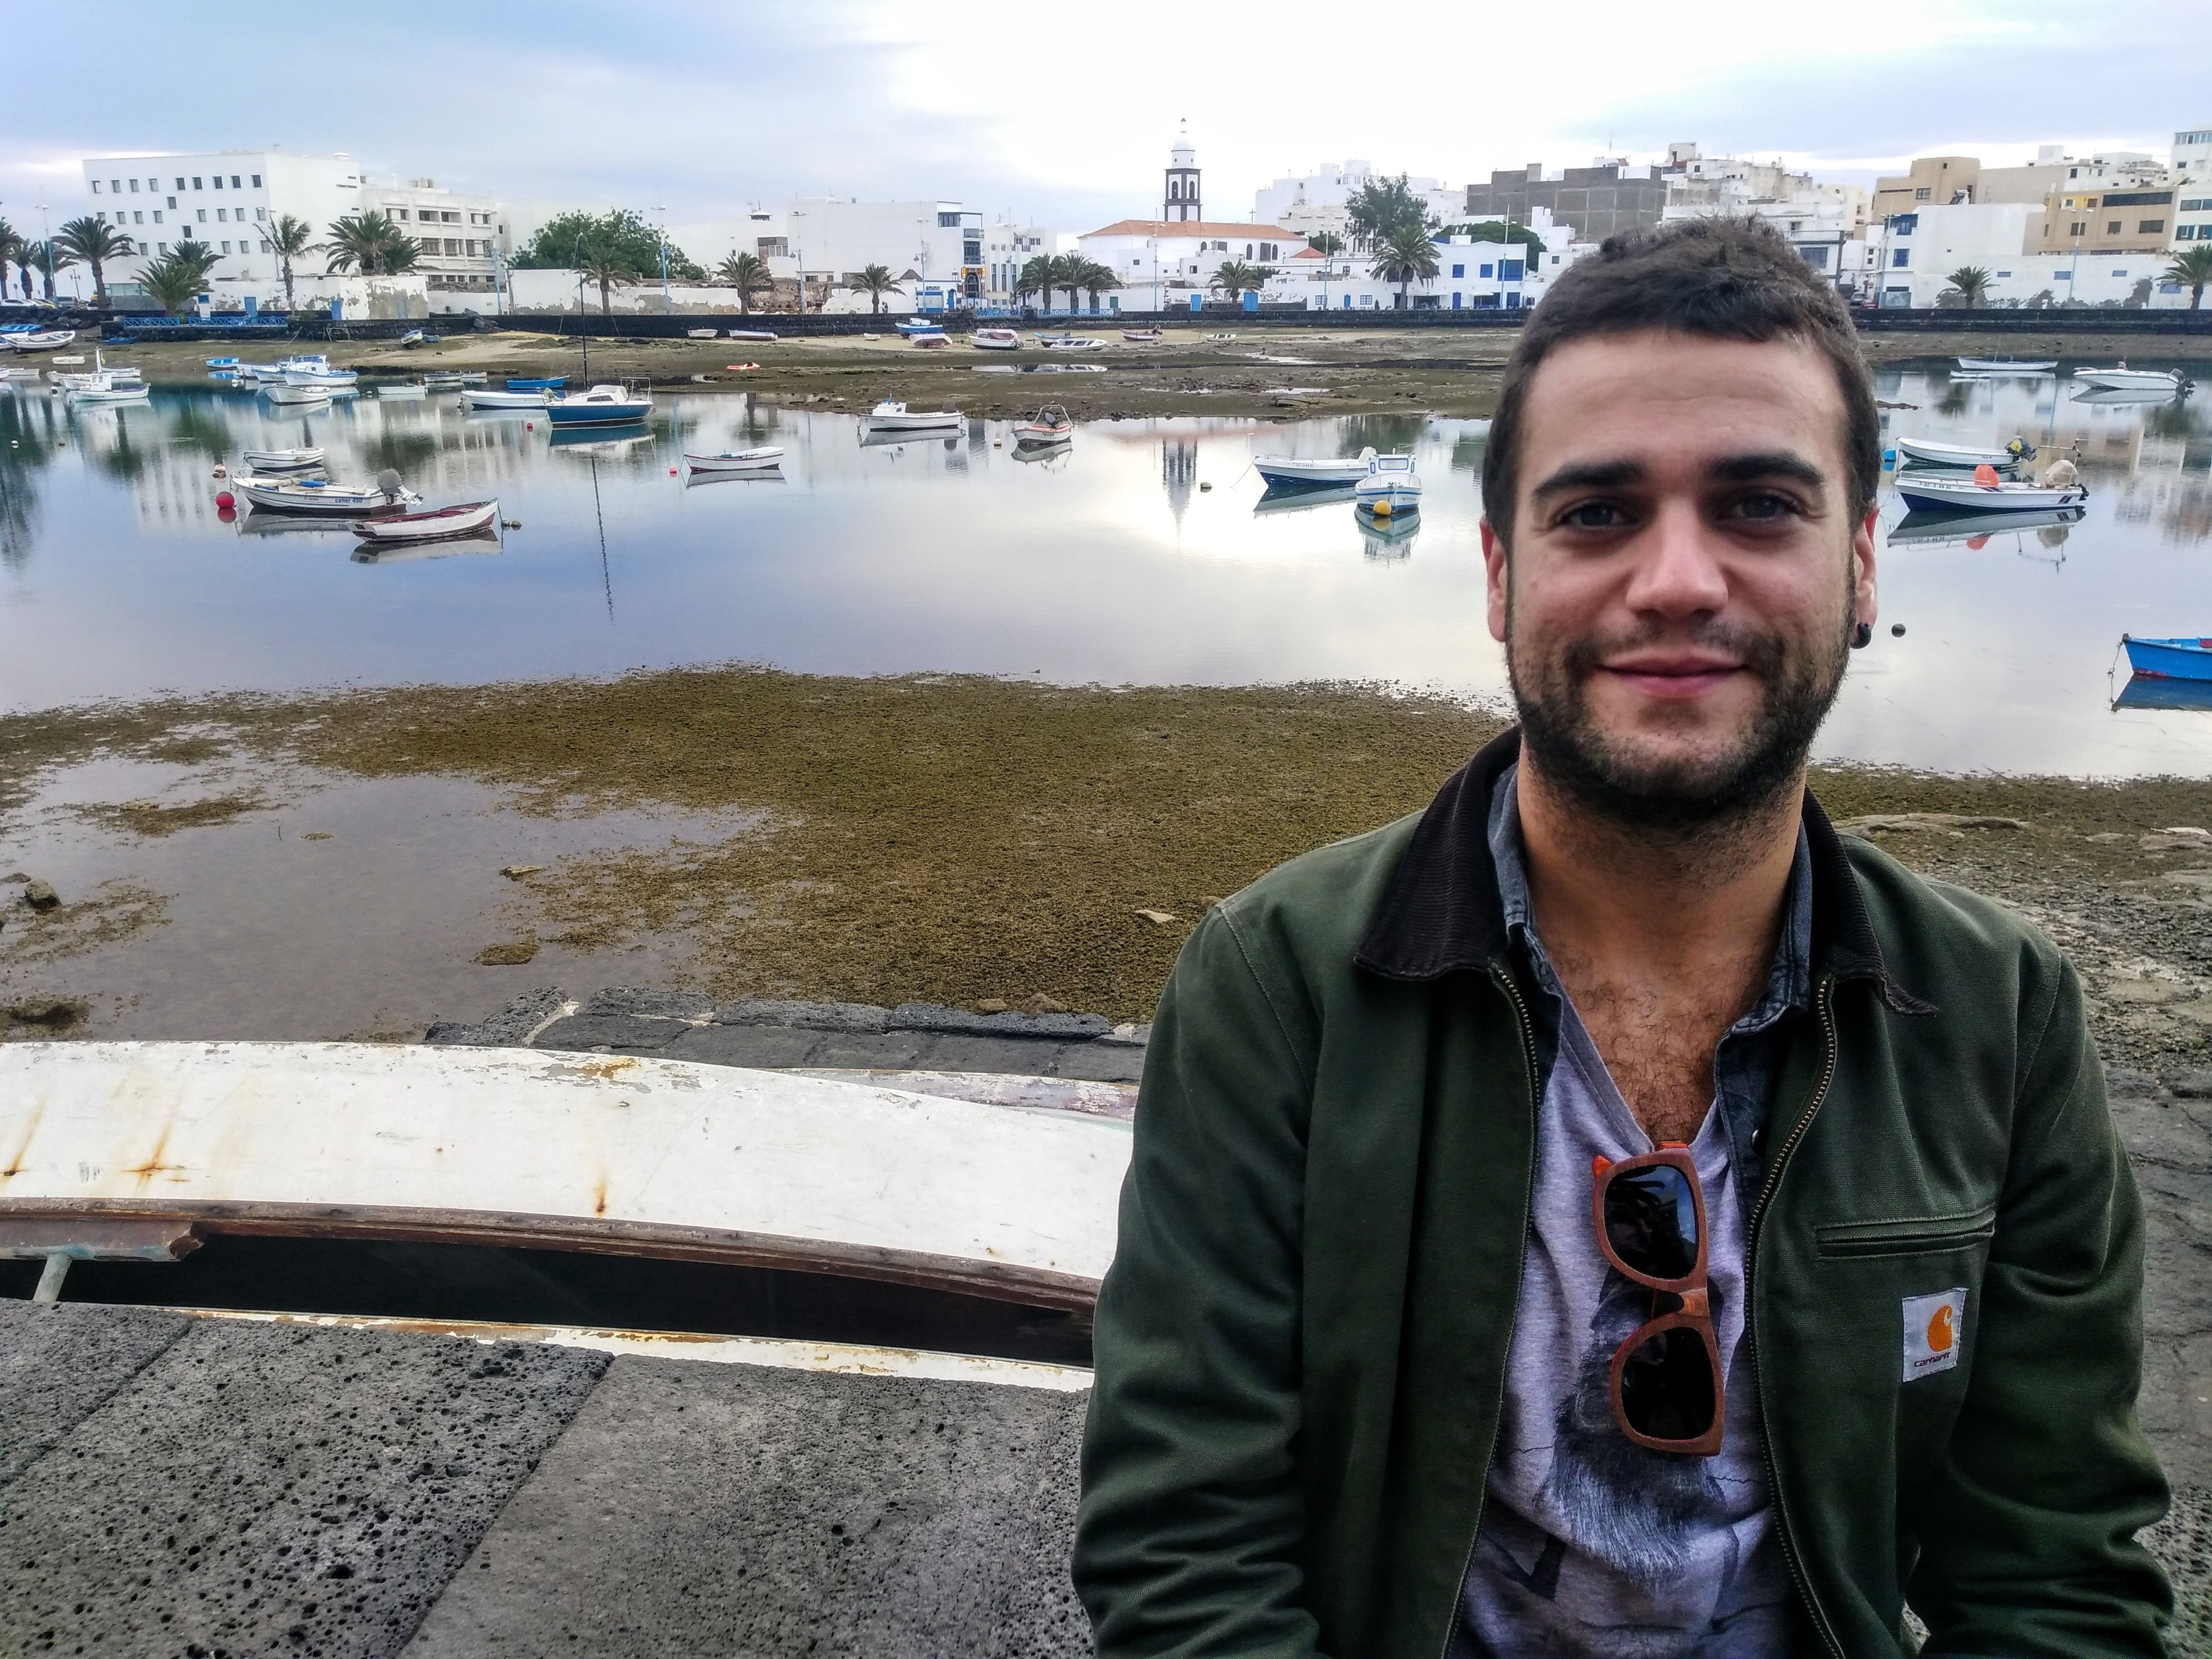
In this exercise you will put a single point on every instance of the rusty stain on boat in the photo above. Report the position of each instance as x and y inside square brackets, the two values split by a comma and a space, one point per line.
[152, 1166]
[16, 1163]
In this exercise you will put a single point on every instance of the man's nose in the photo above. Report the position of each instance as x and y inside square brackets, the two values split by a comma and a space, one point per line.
[1676, 573]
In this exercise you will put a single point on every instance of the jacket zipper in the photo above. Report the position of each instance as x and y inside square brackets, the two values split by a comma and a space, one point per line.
[1824, 1000]
[1523, 1025]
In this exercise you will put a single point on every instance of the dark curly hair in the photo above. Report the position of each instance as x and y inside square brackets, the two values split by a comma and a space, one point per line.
[1727, 278]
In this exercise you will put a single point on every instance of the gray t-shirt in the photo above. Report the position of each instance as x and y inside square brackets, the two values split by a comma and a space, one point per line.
[1590, 1545]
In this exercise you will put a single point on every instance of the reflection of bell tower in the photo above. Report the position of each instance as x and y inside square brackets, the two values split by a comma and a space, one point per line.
[1182, 200]
[1178, 472]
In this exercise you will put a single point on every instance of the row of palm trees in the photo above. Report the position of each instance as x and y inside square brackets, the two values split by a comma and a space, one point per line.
[1050, 273]
[2192, 269]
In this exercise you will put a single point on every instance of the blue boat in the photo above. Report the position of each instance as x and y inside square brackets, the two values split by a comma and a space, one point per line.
[2169, 660]
[603, 405]
[553, 385]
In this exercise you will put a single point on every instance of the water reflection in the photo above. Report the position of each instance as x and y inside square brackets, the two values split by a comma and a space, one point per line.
[1104, 561]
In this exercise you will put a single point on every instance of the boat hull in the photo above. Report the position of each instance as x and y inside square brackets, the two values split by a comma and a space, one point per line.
[1953, 455]
[1311, 475]
[597, 414]
[2169, 660]
[1964, 496]
[2130, 380]
[405, 528]
[749, 460]
[481, 399]
[2003, 365]
[331, 503]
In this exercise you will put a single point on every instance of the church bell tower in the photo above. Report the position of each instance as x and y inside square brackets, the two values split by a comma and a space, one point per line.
[1182, 200]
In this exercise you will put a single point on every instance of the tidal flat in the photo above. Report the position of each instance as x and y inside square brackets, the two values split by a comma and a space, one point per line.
[957, 839]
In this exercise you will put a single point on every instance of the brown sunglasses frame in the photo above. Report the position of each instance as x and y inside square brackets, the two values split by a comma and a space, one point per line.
[1695, 1313]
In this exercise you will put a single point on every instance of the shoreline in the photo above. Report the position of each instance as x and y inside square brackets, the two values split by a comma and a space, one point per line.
[1283, 373]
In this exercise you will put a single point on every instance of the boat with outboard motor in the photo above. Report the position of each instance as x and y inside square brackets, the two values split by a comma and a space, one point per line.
[1985, 492]
[331, 499]
[1391, 487]
[1049, 426]
[2123, 378]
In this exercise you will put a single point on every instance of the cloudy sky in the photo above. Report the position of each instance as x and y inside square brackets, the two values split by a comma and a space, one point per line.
[702, 107]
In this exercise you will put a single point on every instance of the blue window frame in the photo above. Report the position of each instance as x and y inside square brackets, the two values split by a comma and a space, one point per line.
[1484, 271]
[1509, 270]
[1902, 258]
[1459, 271]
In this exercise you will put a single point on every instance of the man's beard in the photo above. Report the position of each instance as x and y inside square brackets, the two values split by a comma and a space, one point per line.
[1681, 797]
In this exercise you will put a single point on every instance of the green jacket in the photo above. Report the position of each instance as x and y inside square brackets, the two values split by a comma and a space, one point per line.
[1301, 1346]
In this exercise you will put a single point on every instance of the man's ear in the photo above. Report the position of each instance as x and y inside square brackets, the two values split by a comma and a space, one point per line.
[1498, 570]
[1865, 606]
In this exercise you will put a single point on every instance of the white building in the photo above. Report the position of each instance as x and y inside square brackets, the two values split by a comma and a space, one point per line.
[933, 248]
[1471, 275]
[225, 199]
[1918, 251]
[2192, 184]
[1162, 263]
[1317, 203]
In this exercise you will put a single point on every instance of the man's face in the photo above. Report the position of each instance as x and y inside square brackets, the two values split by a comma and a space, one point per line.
[1686, 569]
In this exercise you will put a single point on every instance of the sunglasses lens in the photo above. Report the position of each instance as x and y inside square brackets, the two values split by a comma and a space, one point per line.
[1651, 1221]
[1666, 1386]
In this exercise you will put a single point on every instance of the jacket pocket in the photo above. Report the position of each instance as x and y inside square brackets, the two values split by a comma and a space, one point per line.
[1919, 1235]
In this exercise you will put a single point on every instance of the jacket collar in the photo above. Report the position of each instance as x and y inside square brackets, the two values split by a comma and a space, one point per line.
[1442, 914]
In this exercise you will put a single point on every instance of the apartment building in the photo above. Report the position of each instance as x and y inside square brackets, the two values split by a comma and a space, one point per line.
[462, 237]
[2192, 183]
[1596, 202]
[1318, 203]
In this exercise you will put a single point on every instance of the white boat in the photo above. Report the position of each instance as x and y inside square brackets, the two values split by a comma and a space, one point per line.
[2004, 366]
[928, 336]
[603, 405]
[403, 391]
[1219, 339]
[484, 397]
[231, 363]
[2123, 378]
[321, 376]
[302, 363]
[259, 371]
[286, 391]
[1051, 426]
[738, 460]
[1959, 455]
[748, 334]
[1141, 336]
[995, 339]
[1069, 343]
[1390, 487]
[128, 392]
[433, 527]
[920, 326]
[40, 339]
[1977, 495]
[891, 416]
[311, 496]
[703, 333]
[282, 460]
[1294, 470]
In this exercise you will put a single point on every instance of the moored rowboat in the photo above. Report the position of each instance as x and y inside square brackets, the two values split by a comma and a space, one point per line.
[1296, 470]
[464, 520]
[2181, 659]
[741, 460]
[1959, 455]
[1984, 495]
[281, 459]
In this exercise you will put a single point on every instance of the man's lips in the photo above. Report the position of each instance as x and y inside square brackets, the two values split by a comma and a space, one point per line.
[1674, 675]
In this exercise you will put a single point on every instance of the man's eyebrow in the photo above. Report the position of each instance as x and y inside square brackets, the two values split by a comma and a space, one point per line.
[1767, 464]
[1590, 475]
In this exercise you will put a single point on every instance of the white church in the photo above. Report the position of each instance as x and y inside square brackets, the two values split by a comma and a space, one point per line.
[1164, 263]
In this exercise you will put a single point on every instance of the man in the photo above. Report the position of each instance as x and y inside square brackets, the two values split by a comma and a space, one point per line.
[1608, 1214]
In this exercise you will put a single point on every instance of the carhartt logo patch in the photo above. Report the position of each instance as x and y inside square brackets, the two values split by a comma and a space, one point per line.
[1933, 1327]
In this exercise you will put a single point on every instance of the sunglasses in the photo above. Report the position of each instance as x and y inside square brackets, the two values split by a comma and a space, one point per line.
[1650, 1215]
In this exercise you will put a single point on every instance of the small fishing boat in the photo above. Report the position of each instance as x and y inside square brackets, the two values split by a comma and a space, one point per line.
[920, 326]
[2169, 660]
[1069, 343]
[1985, 492]
[314, 495]
[321, 376]
[748, 334]
[1930, 454]
[288, 392]
[1293, 470]
[403, 392]
[1141, 336]
[703, 333]
[891, 416]
[282, 460]
[552, 383]
[39, 339]
[482, 397]
[1390, 487]
[103, 390]
[735, 460]
[2123, 378]
[433, 527]
[2004, 366]
[1050, 427]
[995, 339]
[603, 405]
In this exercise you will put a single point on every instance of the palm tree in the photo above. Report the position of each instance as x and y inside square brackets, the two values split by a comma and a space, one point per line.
[606, 265]
[1406, 255]
[11, 244]
[1067, 273]
[95, 241]
[197, 256]
[1035, 277]
[2191, 271]
[173, 281]
[371, 244]
[1235, 278]
[49, 259]
[1972, 282]
[290, 238]
[875, 282]
[1097, 279]
[748, 273]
